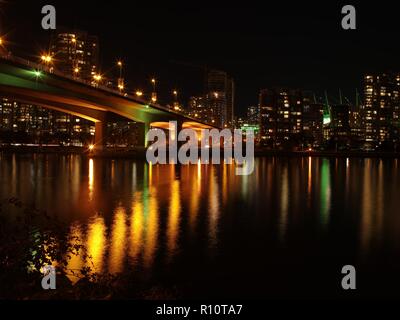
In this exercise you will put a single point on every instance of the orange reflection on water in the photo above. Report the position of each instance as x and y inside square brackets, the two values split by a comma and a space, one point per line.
[309, 177]
[75, 263]
[91, 179]
[194, 200]
[118, 241]
[150, 174]
[366, 208]
[224, 184]
[96, 244]
[173, 218]
[213, 204]
[199, 173]
[283, 217]
[136, 228]
[144, 222]
[373, 205]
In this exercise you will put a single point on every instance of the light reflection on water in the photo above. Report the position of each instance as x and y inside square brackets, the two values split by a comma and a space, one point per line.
[132, 216]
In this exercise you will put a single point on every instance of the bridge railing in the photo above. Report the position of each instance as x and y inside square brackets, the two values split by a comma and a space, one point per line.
[52, 70]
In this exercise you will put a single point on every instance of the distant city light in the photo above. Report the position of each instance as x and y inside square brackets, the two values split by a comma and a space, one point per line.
[37, 73]
[97, 77]
[46, 58]
[154, 97]
[327, 119]
[91, 147]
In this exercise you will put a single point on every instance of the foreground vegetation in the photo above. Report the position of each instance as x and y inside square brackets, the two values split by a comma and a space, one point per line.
[32, 239]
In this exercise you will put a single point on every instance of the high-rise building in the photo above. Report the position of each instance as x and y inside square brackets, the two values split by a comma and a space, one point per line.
[221, 96]
[239, 122]
[253, 115]
[7, 108]
[356, 127]
[198, 108]
[380, 112]
[313, 123]
[339, 127]
[75, 53]
[280, 115]
[30, 123]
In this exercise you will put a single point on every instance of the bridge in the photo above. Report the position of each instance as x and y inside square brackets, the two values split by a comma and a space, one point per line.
[40, 85]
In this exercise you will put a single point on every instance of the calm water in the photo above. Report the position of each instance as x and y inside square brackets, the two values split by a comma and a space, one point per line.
[284, 231]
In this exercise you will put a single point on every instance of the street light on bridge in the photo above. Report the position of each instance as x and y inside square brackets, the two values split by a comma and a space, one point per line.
[119, 63]
[3, 50]
[46, 58]
[176, 103]
[75, 63]
[97, 78]
[154, 93]
[121, 84]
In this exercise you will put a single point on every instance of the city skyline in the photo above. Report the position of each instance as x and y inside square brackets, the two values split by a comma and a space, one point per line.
[288, 118]
[285, 118]
[297, 54]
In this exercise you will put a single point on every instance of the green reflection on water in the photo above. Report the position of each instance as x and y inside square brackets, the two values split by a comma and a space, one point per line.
[325, 192]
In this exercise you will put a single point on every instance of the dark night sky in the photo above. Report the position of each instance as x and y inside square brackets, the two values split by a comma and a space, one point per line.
[297, 44]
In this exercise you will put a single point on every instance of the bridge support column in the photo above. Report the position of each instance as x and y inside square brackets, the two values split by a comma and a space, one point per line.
[100, 135]
[179, 127]
[142, 136]
[174, 142]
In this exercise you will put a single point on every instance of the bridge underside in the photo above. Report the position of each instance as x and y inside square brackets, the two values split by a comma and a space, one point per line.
[84, 101]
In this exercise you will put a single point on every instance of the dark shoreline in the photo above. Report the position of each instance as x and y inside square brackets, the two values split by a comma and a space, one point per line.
[141, 153]
[333, 154]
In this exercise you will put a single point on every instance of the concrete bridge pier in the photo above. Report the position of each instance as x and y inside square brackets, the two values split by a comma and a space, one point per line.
[179, 127]
[144, 127]
[100, 135]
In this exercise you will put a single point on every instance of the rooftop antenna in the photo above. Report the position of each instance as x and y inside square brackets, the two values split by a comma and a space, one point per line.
[340, 97]
[326, 115]
[326, 99]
